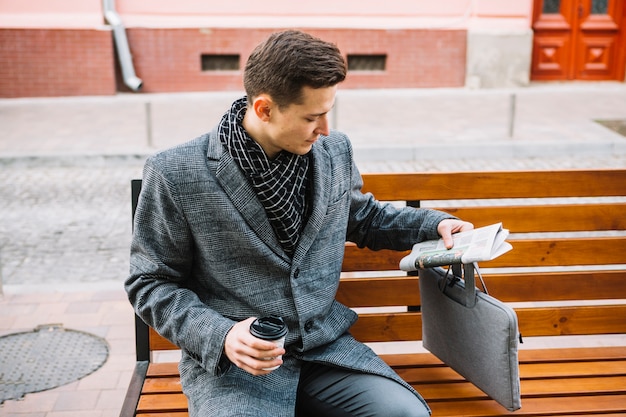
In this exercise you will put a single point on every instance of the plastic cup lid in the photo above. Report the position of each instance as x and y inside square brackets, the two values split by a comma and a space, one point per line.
[268, 328]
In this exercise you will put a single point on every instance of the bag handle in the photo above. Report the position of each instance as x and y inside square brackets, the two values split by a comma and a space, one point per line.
[467, 272]
[470, 285]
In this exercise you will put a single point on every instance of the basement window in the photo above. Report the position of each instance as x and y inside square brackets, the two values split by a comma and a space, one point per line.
[367, 62]
[212, 62]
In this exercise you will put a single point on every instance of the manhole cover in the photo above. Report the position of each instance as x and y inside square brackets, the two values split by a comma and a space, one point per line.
[48, 357]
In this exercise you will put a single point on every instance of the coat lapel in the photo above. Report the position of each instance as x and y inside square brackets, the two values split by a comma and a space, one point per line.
[320, 194]
[242, 195]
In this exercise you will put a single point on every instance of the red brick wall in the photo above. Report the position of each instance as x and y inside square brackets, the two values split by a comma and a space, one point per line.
[56, 62]
[67, 62]
[168, 60]
[415, 57]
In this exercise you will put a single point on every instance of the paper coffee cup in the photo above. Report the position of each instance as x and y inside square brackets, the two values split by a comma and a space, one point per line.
[270, 328]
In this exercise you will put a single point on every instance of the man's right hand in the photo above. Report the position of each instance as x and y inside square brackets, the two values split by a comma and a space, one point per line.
[251, 353]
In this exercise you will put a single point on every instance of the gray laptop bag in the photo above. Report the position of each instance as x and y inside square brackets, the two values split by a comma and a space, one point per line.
[472, 332]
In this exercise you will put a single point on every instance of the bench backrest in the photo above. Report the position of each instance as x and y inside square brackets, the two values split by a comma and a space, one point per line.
[568, 233]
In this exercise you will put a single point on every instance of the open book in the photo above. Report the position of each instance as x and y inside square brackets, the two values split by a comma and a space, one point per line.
[481, 244]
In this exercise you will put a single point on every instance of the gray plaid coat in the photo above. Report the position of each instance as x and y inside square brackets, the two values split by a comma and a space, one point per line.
[204, 256]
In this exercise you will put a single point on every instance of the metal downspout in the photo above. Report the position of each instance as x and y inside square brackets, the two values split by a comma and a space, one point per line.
[121, 42]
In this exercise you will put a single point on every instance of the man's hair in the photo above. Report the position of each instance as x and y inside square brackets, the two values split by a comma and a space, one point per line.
[287, 61]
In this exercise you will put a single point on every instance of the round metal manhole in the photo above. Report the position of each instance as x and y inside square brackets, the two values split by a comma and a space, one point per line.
[47, 357]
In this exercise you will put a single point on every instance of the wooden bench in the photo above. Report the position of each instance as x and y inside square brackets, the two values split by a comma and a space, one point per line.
[566, 277]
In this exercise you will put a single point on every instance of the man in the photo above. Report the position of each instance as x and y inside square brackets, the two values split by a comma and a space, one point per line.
[250, 220]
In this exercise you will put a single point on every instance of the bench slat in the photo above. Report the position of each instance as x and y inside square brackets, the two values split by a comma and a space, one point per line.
[594, 414]
[584, 404]
[557, 286]
[162, 385]
[571, 378]
[556, 355]
[163, 370]
[158, 342]
[531, 388]
[562, 252]
[577, 354]
[546, 218]
[546, 321]
[458, 391]
[548, 286]
[388, 327]
[505, 184]
[579, 320]
[440, 382]
[444, 374]
[375, 292]
[571, 369]
[526, 253]
[356, 259]
[175, 402]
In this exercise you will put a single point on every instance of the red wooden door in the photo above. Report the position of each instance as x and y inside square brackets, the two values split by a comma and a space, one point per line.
[578, 40]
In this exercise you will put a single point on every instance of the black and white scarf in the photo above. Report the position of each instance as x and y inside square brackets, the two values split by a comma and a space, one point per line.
[280, 184]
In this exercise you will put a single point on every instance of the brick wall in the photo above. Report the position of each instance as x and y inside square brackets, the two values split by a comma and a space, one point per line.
[169, 59]
[65, 62]
[56, 62]
[415, 57]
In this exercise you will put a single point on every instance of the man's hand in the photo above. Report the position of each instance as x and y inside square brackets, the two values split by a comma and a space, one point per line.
[447, 227]
[251, 353]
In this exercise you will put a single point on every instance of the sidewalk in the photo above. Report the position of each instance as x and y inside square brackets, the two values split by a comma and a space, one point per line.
[66, 163]
[99, 310]
[408, 125]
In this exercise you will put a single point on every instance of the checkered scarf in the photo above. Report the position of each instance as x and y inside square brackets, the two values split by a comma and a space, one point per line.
[280, 184]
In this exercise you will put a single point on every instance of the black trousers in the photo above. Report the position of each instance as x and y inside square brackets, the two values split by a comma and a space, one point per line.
[334, 392]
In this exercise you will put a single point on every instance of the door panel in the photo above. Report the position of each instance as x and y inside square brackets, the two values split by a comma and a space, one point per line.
[578, 39]
[552, 43]
[551, 56]
[595, 58]
[597, 40]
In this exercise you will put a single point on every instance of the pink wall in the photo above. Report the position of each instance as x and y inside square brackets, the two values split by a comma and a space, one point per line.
[51, 14]
[50, 6]
[416, 13]
[293, 8]
[63, 47]
[504, 8]
[329, 13]
[375, 8]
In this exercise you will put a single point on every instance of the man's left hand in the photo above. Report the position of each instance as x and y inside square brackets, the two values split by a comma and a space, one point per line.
[447, 227]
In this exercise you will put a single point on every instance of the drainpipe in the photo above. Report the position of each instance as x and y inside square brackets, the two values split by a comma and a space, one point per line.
[121, 43]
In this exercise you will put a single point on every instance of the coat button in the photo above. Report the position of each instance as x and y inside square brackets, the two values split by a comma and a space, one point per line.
[296, 273]
[308, 326]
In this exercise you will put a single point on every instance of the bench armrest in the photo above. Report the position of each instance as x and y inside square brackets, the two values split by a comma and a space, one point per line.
[134, 389]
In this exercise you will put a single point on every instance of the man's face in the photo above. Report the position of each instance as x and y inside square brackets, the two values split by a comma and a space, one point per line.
[297, 127]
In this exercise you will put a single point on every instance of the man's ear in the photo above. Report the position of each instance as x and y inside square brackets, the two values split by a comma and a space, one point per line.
[262, 106]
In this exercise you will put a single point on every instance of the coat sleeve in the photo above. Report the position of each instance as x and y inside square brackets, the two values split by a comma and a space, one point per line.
[160, 264]
[377, 225]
